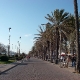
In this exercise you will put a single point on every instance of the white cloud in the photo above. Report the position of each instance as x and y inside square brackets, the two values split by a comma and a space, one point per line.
[27, 35]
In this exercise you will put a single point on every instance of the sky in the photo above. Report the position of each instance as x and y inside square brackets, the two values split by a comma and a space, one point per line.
[24, 17]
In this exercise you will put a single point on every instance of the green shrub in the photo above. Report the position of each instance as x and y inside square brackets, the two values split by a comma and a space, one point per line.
[4, 58]
[12, 58]
[16, 55]
[19, 58]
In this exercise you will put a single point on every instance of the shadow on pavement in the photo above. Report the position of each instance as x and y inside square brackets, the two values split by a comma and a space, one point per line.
[3, 72]
[16, 64]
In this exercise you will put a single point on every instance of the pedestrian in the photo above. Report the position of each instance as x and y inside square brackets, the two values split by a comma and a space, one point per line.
[28, 57]
[62, 59]
[73, 60]
[46, 57]
[67, 61]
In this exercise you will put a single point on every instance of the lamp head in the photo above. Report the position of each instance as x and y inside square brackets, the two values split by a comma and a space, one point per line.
[20, 37]
[9, 28]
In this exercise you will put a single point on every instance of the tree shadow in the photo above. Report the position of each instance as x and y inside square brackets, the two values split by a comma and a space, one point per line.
[16, 64]
[4, 72]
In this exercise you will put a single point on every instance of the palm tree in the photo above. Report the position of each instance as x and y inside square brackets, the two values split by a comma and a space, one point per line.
[40, 42]
[77, 35]
[70, 33]
[46, 37]
[57, 18]
[50, 39]
[72, 39]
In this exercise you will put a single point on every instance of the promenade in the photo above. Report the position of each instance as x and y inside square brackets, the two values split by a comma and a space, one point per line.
[37, 69]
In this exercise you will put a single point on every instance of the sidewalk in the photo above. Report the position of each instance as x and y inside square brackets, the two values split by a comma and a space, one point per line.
[6, 67]
[70, 68]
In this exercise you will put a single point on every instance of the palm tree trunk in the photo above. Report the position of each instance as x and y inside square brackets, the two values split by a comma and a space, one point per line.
[77, 36]
[51, 50]
[57, 44]
[45, 51]
[73, 48]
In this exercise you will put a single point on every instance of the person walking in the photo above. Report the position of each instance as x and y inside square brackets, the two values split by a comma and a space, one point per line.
[73, 61]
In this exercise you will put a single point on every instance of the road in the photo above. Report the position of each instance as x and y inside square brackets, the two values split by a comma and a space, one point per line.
[36, 69]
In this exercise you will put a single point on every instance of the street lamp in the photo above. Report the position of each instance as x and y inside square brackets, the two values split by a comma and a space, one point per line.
[19, 45]
[9, 43]
[12, 46]
[19, 49]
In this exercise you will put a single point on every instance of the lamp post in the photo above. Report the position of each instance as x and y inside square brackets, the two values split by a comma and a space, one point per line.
[18, 49]
[12, 46]
[9, 43]
[19, 45]
[77, 36]
[21, 50]
[15, 49]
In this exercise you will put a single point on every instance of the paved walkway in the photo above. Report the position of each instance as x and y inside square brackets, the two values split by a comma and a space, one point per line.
[5, 67]
[37, 69]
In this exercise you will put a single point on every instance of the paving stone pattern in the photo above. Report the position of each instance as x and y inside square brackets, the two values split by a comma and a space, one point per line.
[36, 69]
